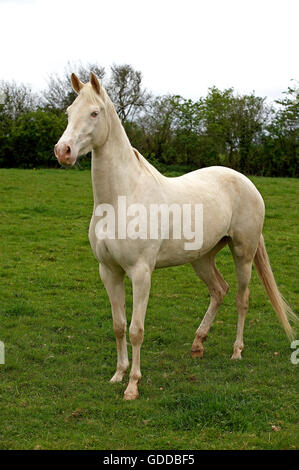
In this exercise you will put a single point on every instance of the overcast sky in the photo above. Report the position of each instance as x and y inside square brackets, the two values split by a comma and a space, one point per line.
[181, 47]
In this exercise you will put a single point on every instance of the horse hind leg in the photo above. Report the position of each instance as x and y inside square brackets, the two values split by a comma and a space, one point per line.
[206, 270]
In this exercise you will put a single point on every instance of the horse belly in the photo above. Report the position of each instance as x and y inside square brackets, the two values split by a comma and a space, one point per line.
[216, 224]
[174, 253]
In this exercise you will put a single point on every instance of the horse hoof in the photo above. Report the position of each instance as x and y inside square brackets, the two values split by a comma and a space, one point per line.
[197, 353]
[116, 378]
[236, 356]
[130, 396]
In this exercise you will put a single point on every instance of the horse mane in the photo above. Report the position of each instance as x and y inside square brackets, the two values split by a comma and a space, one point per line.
[147, 166]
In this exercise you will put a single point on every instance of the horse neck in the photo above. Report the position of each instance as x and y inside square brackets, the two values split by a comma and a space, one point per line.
[115, 169]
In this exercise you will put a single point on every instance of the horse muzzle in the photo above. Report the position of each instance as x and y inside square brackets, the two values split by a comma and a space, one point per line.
[65, 154]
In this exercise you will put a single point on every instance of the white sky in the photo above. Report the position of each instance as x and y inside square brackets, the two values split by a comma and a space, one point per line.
[180, 46]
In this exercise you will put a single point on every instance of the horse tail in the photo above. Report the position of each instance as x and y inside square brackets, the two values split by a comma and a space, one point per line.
[284, 312]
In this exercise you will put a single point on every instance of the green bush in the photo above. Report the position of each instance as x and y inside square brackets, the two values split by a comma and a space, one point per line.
[29, 140]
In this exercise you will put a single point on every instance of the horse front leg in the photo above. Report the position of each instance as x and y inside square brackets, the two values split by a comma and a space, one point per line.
[141, 282]
[113, 280]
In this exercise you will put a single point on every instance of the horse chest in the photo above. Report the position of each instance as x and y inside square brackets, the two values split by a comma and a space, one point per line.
[99, 247]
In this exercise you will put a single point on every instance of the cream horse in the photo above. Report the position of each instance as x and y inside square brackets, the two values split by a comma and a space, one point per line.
[233, 214]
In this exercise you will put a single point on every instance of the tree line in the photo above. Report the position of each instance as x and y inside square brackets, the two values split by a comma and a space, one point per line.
[243, 132]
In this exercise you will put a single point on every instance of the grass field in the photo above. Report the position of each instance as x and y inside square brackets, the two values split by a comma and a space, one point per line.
[55, 321]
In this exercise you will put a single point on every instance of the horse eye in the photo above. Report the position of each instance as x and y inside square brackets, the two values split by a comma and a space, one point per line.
[94, 114]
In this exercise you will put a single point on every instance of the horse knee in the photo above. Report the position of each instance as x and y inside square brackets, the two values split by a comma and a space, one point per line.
[136, 334]
[119, 328]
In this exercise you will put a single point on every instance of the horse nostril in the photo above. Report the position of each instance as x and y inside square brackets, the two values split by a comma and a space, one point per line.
[63, 152]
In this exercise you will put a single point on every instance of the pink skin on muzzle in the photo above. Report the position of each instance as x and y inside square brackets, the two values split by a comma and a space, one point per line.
[65, 154]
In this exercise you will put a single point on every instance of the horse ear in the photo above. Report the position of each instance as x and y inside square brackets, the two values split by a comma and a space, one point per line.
[95, 83]
[76, 83]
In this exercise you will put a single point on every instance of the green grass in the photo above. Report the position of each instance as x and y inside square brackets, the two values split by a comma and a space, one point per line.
[55, 321]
